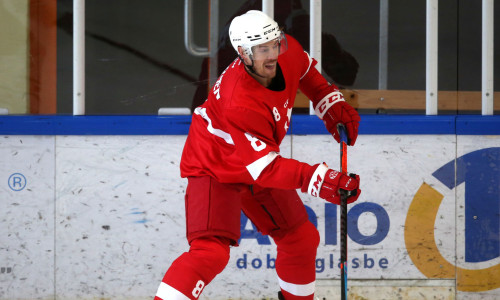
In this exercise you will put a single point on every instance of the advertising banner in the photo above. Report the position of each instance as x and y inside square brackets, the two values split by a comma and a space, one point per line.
[88, 217]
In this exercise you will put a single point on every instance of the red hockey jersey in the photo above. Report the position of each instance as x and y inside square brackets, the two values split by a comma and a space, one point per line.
[235, 135]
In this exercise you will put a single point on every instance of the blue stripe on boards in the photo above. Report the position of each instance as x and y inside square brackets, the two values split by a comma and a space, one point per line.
[301, 124]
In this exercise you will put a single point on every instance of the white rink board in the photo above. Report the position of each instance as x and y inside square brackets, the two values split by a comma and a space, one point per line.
[27, 216]
[103, 217]
[121, 210]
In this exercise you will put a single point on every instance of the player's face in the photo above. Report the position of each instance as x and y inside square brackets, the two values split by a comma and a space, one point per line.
[265, 57]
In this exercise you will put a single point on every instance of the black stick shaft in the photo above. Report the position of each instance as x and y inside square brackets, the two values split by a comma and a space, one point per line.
[343, 246]
[343, 215]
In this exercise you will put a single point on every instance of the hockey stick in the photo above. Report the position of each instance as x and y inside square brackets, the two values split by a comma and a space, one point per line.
[343, 213]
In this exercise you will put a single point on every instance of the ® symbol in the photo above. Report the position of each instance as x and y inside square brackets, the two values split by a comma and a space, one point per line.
[17, 182]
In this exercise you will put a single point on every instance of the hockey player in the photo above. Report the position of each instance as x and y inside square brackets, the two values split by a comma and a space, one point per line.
[232, 162]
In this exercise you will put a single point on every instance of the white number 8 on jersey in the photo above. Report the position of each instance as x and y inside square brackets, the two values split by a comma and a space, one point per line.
[198, 288]
[257, 144]
[276, 113]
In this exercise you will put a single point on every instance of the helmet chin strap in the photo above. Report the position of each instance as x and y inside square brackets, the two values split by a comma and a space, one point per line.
[250, 67]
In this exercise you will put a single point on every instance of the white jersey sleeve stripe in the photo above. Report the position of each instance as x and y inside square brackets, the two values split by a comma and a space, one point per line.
[298, 289]
[260, 164]
[309, 67]
[217, 132]
[166, 292]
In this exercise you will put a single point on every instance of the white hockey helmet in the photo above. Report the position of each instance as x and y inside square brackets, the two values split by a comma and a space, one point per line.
[254, 28]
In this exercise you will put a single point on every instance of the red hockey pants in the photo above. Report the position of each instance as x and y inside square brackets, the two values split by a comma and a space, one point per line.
[213, 224]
